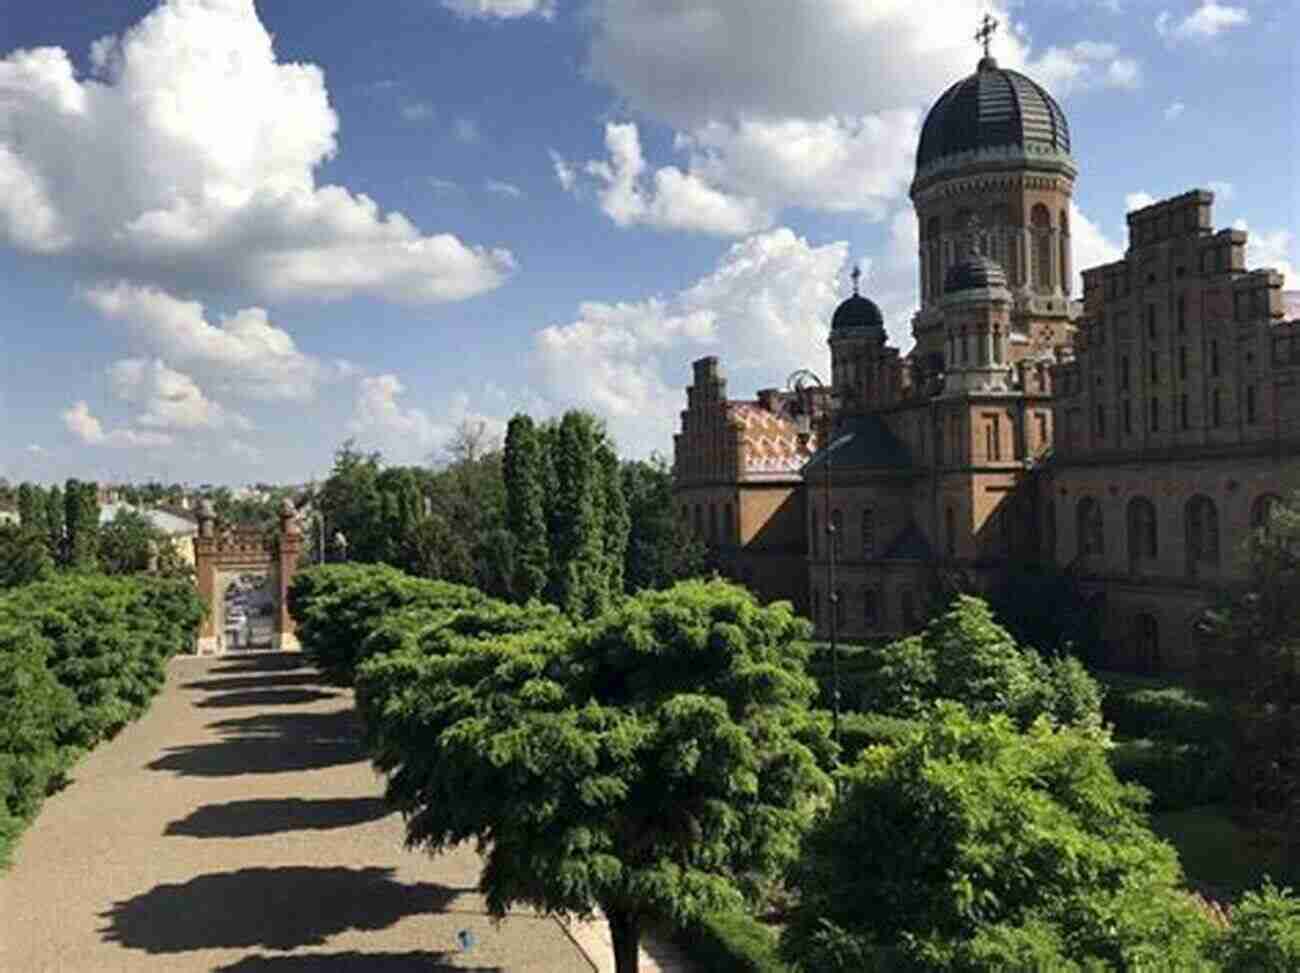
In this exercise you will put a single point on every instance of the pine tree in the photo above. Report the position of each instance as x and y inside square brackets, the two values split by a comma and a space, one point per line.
[525, 475]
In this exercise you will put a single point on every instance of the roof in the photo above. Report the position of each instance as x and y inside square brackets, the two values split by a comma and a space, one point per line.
[857, 312]
[991, 108]
[168, 523]
[863, 442]
[974, 272]
[771, 441]
[910, 545]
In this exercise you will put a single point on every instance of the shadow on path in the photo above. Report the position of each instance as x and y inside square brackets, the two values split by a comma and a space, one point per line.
[305, 677]
[270, 743]
[265, 697]
[416, 962]
[247, 819]
[266, 662]
[275, 908]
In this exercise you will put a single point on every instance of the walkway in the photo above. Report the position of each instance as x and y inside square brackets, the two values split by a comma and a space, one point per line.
[237, 827]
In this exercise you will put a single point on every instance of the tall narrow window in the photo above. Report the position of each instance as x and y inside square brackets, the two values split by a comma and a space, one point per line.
[908, 609]
[1155, 368]
[868, 532]
[1123, 373]
[1128, 418]
[1041, 418]
[950, 531]
[1182, 362]
[1155, 414]
[1216, 408]
[870, 608]
[992, 438]
[1101, 422]
[1183, 411]
[1214, 357]
[1151, 321]
[1250, 404]
[1142, 540]
[699, 522]
[1042, 231]
[1089, 527]
[1202, 520]
[1182, 314]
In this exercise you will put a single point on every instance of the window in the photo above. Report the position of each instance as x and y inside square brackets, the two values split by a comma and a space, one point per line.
[1128, 418]
[1216, 408]
[1146, 642]
[1202, 520]
[868, 532]
[1141, 530]
[1151, 321]
[1182, 313]
[1042, 224]
[1101, 422]
[1183, 413]
[1214, 357]
[1182, 362]
[1262, 510]
[1089, 527]
[1155, 414]
[870, 608]
[992, 438]
[816, 545]
[1155, 368]
[950, 531]
[699, 521]
[1041, 418]
[1250, 404]
[836, 531]
[1123, 373]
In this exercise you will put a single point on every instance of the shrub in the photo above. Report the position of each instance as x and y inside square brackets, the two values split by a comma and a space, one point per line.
[1166, 712]
[1178, 775]
[1265, 932]
[731, 942]
[861, 730]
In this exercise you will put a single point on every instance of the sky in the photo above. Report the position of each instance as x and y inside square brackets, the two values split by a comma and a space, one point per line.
[235, 234]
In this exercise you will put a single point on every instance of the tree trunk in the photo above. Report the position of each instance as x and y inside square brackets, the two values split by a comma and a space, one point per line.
[625, 929]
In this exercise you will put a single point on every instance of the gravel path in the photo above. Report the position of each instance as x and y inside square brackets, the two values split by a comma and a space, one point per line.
[237, 827]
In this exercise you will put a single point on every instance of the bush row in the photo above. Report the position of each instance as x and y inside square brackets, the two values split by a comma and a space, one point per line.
[80, 657]
[1178, 775]
[1145, 708]
[731, 942]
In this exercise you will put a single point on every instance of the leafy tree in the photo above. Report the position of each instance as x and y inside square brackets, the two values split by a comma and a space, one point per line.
[23, 556]
[81, 516]
[660, 548]
[56, 524]
[31, 507]
[615, 521]
[129, 543]
[661, 761]
[525, 476]
[1264, 934]
[577, 542]
[971, 846]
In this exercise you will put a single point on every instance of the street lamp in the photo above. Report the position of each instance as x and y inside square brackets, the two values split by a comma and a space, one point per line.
[802, 383]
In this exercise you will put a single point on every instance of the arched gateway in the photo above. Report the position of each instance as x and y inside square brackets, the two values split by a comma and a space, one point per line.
[243, 578]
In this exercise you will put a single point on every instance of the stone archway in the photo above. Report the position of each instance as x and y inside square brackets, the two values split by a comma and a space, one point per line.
[243, 578]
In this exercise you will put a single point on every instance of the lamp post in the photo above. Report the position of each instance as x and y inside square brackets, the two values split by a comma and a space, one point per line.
[341, 542]
[802, 384]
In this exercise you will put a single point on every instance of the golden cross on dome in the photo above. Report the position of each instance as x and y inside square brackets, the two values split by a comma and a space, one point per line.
[856, 274]
[985, 34]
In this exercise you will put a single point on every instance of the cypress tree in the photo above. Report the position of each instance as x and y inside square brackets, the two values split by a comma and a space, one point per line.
[578, 543]
[525, 476]
[81, 506]
[55, 523]
[617, 522]
[31, 506]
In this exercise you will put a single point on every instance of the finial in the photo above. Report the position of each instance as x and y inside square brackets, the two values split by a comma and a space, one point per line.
[984, 35]
[856, 274]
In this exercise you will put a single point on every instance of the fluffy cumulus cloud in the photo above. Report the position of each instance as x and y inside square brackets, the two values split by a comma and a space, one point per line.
[1091, 246]
[501, 9]
[168, 399]
[1206, 22]
[205, 157]
[1088, 63]
[763, 310]
[1137, 200]
[404, 433]
[1272, 248]
[87, 427]
[242, 354]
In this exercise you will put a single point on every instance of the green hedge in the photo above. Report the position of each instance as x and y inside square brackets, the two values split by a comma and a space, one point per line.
[80, 657]
[1139, 709]
[1178, 775]
[731, 942]
[861, 730]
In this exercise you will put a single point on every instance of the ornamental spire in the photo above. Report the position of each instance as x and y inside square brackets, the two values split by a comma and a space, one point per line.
[988, 26]
[856, 274]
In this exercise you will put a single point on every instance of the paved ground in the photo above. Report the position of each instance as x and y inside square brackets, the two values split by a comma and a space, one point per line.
[237, 827]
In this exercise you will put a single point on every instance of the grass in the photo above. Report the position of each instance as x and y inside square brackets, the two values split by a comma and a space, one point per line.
[1219, 855]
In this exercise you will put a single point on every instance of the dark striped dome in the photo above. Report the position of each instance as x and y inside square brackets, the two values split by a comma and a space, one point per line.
[857, 312]
[992, 108]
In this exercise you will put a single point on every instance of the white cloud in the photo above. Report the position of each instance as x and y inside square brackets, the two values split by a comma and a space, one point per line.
[406, 433]
[244, 451]
[1275, 248]
[443, 185]
[36, 449]
[565, 174]
[1137, 200]
[1084, 64]
[501, 9]
[85, 426]
[1091, 246]
[204, 157]
[466, 130]
[1174, 110]
[669, 199]
[242, 354]
[417, 111]
[502, 188]
[1207, 21]
[1223, 191]
[170, 399]
[764, 310]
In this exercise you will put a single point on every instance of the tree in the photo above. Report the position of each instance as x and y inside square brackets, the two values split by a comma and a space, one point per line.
[56, 523]
[81, 515]
[660, 761]
[660, 548]
[615, 522]
[129, 543]
[31, 506]
[971, 846]
[524, 472]
[577, 540]
[23, 556]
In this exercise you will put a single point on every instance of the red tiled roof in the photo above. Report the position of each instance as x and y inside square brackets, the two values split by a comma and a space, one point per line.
[771, 442]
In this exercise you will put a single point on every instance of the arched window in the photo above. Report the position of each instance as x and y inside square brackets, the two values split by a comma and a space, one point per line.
[815, 543]
[837, 532]
[1141, 529]
[1041, 224]
[1146, 642]
[1202, 519]
[868, 532]
[1064, 241]
[1089, 527]
[870, 608]
[950, 531]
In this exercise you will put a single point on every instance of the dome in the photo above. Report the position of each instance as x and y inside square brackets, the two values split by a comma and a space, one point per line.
[974, 272]
[993, 108]
[857, 312]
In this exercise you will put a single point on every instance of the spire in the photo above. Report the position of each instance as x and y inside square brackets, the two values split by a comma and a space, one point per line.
[856, 274]
[988, 26]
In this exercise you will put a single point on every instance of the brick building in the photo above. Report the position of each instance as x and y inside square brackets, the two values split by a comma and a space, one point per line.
[1130, 438]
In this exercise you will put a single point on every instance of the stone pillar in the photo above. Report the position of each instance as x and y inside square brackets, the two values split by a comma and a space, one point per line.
[289, 548]
[205, 557]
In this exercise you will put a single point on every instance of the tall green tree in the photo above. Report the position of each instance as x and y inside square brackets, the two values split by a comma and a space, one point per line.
[129, 543]
[660, 548]
[577, 542]
[81, 506]
[31, 506]
[56, 524]
[24, 557]
[615, 521]
[525, 465]
[661, 762]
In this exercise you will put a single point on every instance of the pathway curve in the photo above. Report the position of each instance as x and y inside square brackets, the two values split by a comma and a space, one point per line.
[238, 827]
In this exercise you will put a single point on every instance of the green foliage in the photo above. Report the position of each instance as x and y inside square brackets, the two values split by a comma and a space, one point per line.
[524, 471]
[1041, 606]
[731, 942]
[128, 543]
[1178, 775]
[661, 760]
[56, 524]
[971, 839]
[1136, 708]
[1265, 932]
[661, 549]
[578, 578]
[33, 512]
[336, 607]
[24, 557]
[615, 522]
[81, 522]
[861, 730]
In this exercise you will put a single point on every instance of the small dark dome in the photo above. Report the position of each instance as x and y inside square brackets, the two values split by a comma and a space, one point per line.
[857, 312]
[991, 108]
[975, 271]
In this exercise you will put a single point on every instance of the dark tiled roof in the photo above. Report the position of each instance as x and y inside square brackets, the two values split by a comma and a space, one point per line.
[862, 442]
[910, 545]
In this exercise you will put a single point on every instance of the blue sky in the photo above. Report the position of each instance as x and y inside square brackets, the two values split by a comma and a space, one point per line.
[234, 234]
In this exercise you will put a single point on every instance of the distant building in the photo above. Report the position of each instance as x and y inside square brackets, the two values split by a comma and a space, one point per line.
[181, 530]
